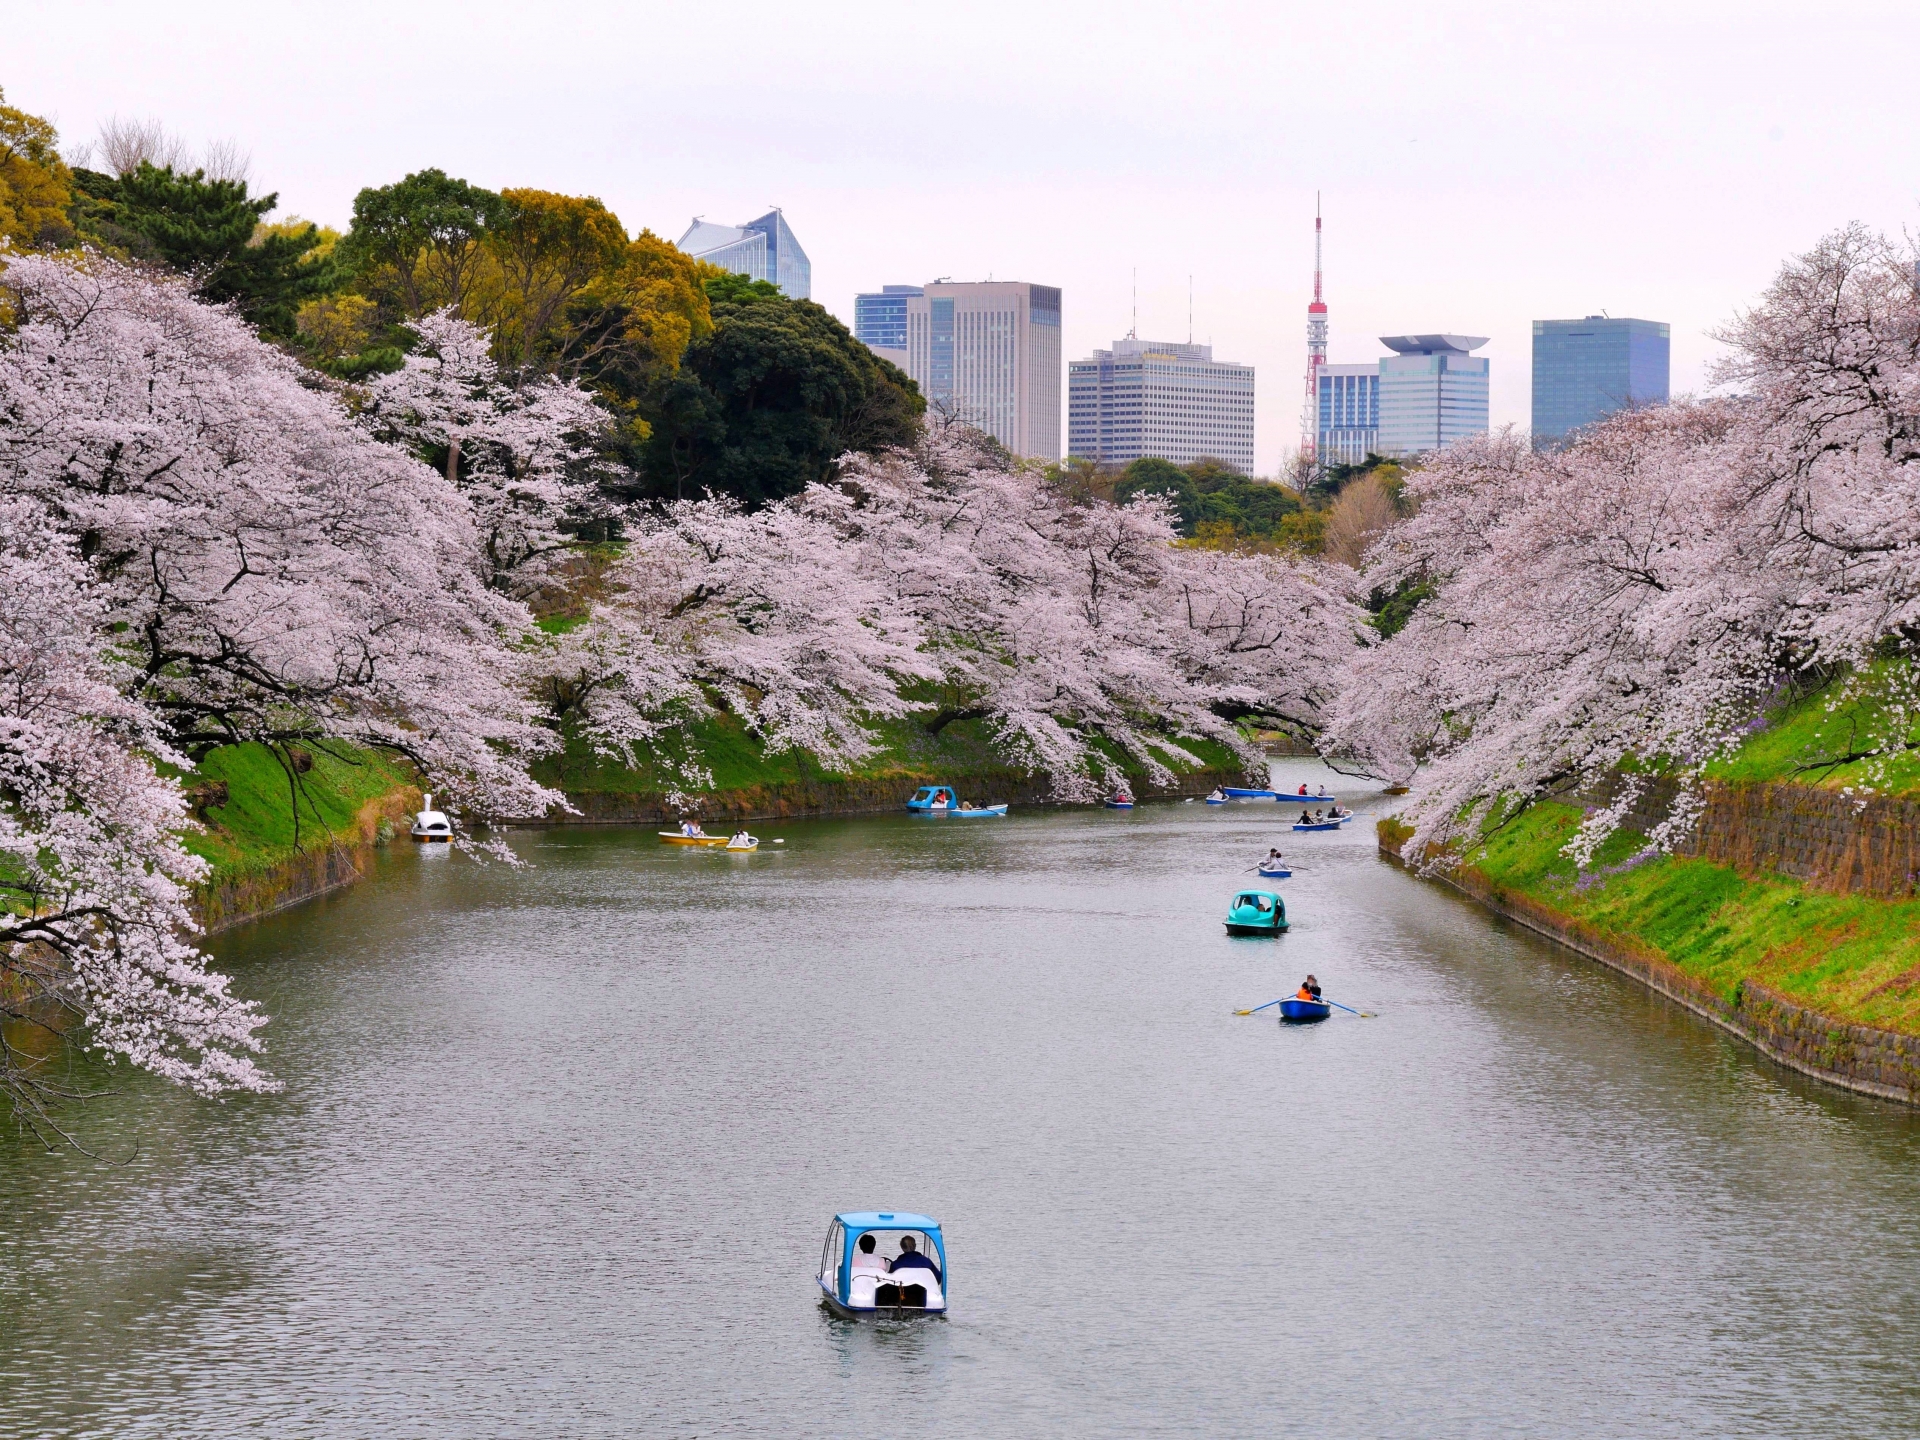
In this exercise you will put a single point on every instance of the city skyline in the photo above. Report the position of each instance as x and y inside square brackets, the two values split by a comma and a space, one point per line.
[1663, 198]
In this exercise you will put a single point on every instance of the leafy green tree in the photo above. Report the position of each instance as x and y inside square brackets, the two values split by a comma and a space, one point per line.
[764, 405]
[417, 245]
[212, 230]
[1213, 495]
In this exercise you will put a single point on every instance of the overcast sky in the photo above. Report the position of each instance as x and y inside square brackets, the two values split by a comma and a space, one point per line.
[1481, 166]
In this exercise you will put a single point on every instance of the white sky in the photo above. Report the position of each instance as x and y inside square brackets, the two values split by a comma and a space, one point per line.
[1482, 166]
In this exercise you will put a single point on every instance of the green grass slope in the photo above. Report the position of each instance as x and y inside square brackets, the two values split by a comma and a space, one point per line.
[1849, 956]
[269, 816]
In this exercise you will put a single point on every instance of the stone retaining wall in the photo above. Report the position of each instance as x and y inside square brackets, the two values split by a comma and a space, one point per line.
[1855, 1057]
[1849, 844]
[236, 899]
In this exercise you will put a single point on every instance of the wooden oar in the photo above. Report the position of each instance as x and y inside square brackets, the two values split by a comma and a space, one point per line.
[1363, 1014]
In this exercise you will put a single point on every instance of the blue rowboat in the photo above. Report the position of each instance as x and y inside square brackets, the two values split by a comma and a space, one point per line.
[978, 812]
[1318, 825]
[1256, 912]
[1119, 804]
[1275, 872]
[1212, 801]
[854, 1284]
[1301, 1011]
[1233, 792]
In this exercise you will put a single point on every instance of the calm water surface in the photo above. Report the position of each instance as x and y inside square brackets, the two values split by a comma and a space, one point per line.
[559, 1146]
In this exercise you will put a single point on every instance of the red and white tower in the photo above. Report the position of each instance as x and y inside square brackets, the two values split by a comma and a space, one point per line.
[1316, 352]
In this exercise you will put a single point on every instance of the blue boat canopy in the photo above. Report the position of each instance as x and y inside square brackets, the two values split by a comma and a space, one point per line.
[859, 1220]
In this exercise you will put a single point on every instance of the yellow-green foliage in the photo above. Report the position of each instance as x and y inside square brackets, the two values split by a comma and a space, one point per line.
[1848, 956]
[257, 828]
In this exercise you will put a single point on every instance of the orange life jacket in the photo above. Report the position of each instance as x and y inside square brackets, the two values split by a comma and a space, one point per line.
[1305, 994]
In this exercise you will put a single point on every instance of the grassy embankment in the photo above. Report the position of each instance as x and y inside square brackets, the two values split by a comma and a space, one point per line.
[1849, 956]
[266, 813]
[961, 754]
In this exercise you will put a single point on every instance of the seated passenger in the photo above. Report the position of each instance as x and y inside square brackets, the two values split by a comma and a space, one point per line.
[1273, 858]
[1309, 989]
[865, 1259]
[1217, 794]
[1305, 818]
[910, 1258]
[741, 837]
[1262, 903]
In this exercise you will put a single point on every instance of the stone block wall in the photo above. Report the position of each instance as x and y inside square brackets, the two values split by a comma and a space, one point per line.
[1847, 844]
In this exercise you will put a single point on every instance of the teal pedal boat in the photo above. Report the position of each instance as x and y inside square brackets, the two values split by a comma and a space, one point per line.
[887, 1263]
[1257, 912]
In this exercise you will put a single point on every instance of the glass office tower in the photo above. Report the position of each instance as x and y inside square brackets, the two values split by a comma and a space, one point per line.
[1584, 370]
[1152, 397]
[1432, 392]
[763, 249]
[880, 320]
[1349, 424]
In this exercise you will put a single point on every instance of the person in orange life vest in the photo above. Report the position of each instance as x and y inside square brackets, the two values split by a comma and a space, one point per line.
[1309, 989]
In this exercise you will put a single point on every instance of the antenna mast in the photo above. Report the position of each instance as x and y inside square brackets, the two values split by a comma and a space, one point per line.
[1316, 353]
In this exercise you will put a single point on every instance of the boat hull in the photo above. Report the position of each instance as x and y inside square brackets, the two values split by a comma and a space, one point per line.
[875, 1312]
[1212, 801]
[1235, 793]
[1234, 927]
[1279, 873]
[1119, 804]
[667, 837]
[1319, 825]
[433, 839]
[1300, 1012]
[985, 812]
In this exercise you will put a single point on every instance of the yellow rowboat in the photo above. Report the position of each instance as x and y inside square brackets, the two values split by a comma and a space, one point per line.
[674, 837]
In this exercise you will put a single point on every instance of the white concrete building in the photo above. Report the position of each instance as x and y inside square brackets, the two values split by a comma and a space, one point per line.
[1162, 399]
[989, 354]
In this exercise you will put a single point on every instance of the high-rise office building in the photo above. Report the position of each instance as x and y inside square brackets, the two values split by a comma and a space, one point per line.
[1584, 370]
[763, 249]
[1150, 397]
[1432, 392]
[1348, 421]
[880, 320]
[989, 354]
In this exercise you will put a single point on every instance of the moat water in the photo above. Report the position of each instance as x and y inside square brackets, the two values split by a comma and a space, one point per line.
[558, 1147]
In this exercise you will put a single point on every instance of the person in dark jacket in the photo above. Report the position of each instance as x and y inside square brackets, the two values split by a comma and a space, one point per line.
[910, 1258]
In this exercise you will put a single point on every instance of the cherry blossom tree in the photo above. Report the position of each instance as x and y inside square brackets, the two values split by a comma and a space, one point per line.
[94, 925]
[769, 615]
[1624, 608]
[270, 571]
[524, 455]
[1080, 630]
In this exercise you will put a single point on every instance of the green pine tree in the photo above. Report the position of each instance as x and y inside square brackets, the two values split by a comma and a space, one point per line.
[205, 228]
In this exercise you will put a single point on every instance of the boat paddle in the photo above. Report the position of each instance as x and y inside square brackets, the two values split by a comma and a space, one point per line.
[1363, 1014]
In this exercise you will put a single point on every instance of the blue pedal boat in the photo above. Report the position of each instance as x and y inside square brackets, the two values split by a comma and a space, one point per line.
[1299, 1012]
[857, 1283]
[945, 800]
[1257, 912]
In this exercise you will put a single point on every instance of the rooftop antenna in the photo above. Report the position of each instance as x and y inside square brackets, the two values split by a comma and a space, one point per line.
[1189, 307]
[1133, 333]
